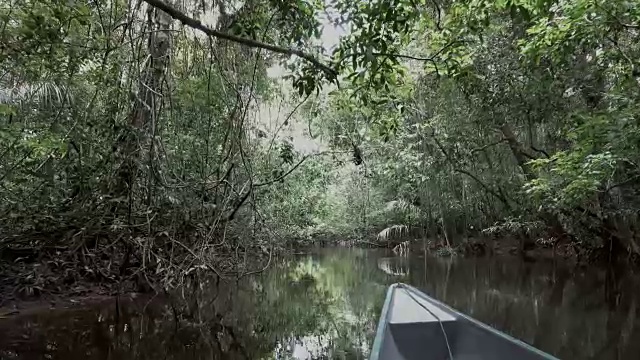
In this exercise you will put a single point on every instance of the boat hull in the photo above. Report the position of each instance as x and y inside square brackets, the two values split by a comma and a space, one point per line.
[415, 326]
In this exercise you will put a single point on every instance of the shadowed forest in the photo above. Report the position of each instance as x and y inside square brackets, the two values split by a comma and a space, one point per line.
[143, 142]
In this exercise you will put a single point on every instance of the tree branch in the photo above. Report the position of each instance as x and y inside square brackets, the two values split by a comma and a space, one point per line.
[419, 58]
[484, 147]
[196, 24]
[456, 169]
[542, 151]
[245, 196]
[521, 155]
[283, 175]
[233, 212]
[622, 183]
[617, 19]
[486, 187]
[403, 56]
[435, 3]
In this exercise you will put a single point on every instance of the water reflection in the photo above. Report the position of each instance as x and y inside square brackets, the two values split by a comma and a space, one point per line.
[395, 266]
[326, 306]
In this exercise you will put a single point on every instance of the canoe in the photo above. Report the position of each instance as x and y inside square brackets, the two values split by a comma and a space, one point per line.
[415, 326]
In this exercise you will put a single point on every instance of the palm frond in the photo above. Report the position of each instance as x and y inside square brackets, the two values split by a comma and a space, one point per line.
[388, 232]
[404, 207]
[45, 93]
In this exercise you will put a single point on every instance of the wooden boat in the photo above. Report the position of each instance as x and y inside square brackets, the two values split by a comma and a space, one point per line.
[415, 326]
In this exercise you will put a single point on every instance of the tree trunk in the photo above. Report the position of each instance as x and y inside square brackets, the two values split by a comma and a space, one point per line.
[142, 118]
[521, 155]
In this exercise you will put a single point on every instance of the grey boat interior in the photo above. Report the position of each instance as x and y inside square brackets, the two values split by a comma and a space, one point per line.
[415, 326]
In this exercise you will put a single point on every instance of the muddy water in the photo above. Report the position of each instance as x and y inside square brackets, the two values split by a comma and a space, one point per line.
[326, 306]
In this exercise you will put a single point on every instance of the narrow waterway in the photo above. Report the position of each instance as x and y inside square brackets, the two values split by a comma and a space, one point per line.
[326, 306]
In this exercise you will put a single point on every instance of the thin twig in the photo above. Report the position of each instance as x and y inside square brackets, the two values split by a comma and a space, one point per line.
[264, 268]
[484, 147]
[207, 265]
[285, 122]
[285, 174]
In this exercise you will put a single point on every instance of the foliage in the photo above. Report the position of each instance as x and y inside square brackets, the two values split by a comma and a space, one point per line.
[120, 126]
[127, 136]
[520, 109]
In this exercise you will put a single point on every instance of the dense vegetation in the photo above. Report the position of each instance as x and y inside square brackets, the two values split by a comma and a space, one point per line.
[134, 136]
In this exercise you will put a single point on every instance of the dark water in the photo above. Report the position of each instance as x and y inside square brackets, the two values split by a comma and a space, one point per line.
[326, 306]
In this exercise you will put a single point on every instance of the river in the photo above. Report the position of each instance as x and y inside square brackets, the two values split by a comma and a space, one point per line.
[326, 306]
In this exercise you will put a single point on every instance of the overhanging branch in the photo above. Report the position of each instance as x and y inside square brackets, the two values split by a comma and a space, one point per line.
[484, 147]
[196, 24]
[245, 196]
[283, 175]
[499, 196]
[485, 187]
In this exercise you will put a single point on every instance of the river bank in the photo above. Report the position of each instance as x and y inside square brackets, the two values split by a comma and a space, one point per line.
[32, 279]
[36, 270]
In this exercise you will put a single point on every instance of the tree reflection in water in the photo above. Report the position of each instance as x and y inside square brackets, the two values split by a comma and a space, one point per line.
[326, 306]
